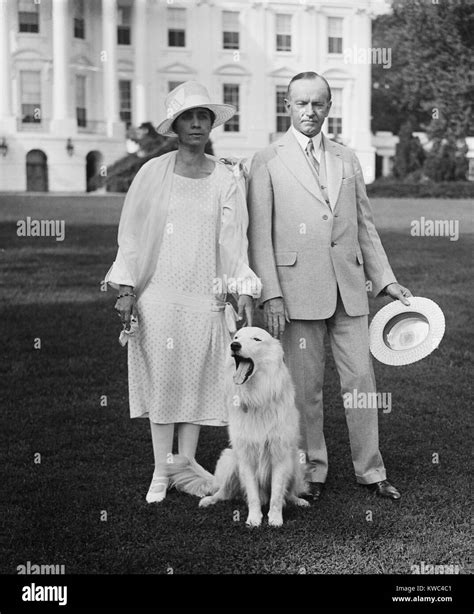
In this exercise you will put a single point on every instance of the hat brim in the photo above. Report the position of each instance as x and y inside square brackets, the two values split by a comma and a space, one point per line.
[419, 327]
[222, 112]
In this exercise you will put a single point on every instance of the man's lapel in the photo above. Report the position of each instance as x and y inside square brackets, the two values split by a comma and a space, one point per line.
[293, 157]
[334, 168]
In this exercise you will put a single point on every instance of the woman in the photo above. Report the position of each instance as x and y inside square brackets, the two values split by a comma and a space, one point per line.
[182, 235]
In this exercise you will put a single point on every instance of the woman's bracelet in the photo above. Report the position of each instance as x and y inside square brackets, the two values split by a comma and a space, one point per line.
[127, 294]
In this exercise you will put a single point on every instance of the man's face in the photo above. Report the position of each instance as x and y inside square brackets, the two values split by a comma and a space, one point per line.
[193, 126]
[308, 105]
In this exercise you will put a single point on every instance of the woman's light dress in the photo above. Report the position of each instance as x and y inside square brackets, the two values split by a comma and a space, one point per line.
[176, 364]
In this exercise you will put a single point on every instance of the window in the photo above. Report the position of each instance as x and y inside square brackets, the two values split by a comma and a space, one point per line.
[335, 121]
[124, 25]
[79, 22]
[125, 98]
[230, 30]
[30, 85]
[335, 34]
[176, 27]
[232, 96]
[282, 118]
[81, 112]
[335, 127]
[173, 84]
[283, 32]
[28, 16]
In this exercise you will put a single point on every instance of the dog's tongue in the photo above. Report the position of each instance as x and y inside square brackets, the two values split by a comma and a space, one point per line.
[241, 371]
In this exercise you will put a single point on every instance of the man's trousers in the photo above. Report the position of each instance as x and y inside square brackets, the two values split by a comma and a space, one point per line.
[303, 343]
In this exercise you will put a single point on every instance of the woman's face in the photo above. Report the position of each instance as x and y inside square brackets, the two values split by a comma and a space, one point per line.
[193, 127]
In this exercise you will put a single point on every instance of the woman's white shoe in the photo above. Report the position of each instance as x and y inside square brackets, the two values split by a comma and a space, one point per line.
[157, 491]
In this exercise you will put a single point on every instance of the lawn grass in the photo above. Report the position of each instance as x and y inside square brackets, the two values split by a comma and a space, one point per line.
[94, 459]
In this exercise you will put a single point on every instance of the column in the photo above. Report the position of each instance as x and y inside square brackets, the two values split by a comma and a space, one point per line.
[364, 41]
[362, 134]
[7, 119]
[202, 28]
[139, 40]
[61, 121]
[109, 65]
[261, 121]
[320, 34]
[308, 40]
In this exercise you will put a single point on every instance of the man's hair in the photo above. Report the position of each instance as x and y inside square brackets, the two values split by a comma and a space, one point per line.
[308, 75]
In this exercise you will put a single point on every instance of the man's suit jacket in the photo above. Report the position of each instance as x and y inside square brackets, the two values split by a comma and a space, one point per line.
[300, 247]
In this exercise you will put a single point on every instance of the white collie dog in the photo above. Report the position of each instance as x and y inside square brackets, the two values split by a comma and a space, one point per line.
[264, 462]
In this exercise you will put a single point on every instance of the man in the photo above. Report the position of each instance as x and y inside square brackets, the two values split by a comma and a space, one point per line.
[312, 242]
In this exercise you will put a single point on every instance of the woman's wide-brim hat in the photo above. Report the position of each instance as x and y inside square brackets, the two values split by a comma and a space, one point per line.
[400, 334]
[191, 95]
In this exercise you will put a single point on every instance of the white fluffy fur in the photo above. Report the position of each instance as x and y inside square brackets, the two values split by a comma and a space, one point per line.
[263, 463]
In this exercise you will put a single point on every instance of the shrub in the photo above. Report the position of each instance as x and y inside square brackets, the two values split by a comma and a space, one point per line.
[409, 154]
[399, 189]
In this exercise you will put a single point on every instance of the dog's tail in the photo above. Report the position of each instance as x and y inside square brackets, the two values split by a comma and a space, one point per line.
[188, 476]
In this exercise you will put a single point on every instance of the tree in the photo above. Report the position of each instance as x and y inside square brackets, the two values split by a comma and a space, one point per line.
[431, 80]
[410, 155]
[446, 160]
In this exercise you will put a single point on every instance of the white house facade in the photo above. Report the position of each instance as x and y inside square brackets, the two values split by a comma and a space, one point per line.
[75, 73]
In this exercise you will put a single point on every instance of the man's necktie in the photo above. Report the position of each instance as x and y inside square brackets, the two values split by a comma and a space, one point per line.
[310, 153]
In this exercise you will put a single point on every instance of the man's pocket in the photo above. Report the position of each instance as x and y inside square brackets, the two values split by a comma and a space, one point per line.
[285, 258]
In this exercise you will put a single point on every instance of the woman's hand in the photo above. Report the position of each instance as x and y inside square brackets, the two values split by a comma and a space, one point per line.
[245, 306]
[125, 307]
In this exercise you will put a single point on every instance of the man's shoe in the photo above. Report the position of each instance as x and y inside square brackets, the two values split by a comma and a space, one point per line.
[314, 492]
[384, 489]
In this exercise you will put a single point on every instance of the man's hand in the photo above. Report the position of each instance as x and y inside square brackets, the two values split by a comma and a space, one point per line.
[275, 316]
[396, 291]
[245, 307]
